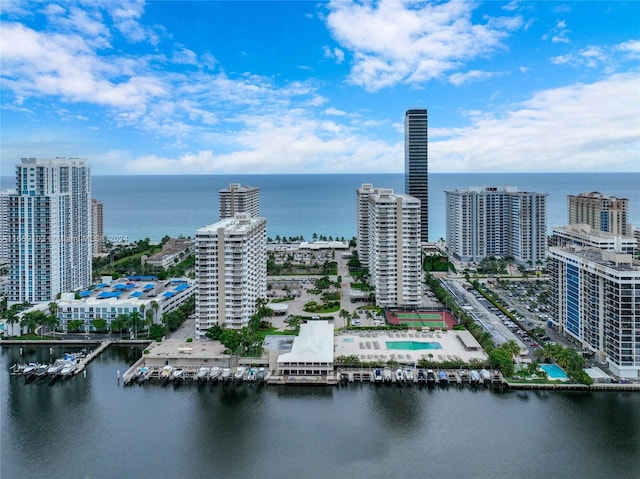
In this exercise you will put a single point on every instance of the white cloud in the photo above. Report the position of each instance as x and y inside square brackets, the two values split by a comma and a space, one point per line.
[560, 33]
[597, 56]
[395, 42]
[458, 79]
[334, 112]
[575, 128]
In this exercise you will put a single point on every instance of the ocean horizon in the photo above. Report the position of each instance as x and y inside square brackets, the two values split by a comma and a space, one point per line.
[152, 206]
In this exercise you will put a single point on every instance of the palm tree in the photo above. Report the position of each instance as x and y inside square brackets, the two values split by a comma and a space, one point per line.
[512, 348]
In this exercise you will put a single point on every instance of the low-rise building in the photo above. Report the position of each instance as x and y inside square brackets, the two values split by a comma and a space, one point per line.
[173, 252]
[585, 235]
[311, 353]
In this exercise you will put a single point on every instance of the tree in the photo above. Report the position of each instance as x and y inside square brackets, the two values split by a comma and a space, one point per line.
[99, 324]
[502, 360]
[135, 322]
[214, 332]
[74, 325]
[32, 320]
[230, 339]
[512, 348]
[120, 323]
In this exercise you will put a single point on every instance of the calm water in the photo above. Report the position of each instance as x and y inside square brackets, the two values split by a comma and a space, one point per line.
[95, 428]
[139, 207]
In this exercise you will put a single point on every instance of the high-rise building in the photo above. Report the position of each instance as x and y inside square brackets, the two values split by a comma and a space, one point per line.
[97, 227]
[362, 221]
[416, 164]
[239, 199]
[595, 297]
[394, 248]
[231, 271]
[4, 225]
[601, 212]
[586, 236]
[491, 221]
[50, 229]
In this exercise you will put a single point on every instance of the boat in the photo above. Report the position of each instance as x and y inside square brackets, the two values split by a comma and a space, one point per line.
[475, 376]
[387, 377]
[251, 375]
[408, 375]
[214, 373]
[226, 374]
[444, 378]
[165, 374]
[69, 368]
[41, 370]
[30, 369]
[142, 374]
[377, 374]
[422, 377]
[260, 375]
[137, 374]
[399, 375]
[485, 376]
[239, 374]
[203, 373]
[56, 367]
[431, 377]
[453, 377]
[177, 374]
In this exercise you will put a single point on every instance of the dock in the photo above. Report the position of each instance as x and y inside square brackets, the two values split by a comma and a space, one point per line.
[82, 364]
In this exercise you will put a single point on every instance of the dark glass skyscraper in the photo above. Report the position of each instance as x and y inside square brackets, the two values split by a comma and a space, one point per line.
[416, 154]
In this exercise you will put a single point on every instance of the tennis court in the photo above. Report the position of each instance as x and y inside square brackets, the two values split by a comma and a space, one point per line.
[422, 319]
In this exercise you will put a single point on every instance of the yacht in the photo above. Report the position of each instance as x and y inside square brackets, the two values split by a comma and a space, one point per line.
[69, 368]
[239, 375]
[377, 375]
[41, 370]
[56, 367]
[30, 369]
[387, 377]
[475, 377]
[444, 378]
[260, 375]
[165, 374]
[422, 377]
[203, 373]
[408, 375]
[251, 375]
[485, 376]
[431, 377]
[226, 374]
[145, 372]
[214, 373]
[178, 374]
[399, 375]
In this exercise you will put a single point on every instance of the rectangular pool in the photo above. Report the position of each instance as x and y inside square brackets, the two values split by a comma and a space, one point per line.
[554, 371]
[412, 345]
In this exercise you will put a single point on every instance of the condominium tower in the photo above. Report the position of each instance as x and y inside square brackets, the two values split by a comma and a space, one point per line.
[492, 221]
[416, 155]
[231, 271]
[391, 233]
[97, 226]
[601, 212]
[50, 229]
[4, 225]
[595, 304]
[239, 199]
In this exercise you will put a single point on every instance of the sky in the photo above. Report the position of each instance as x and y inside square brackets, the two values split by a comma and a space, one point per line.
[266, 87]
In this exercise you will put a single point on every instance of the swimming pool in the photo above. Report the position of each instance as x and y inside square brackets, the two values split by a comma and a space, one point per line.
[554, 371]
[412, 345]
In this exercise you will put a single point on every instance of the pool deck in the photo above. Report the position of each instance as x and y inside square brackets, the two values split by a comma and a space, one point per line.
[370, 346]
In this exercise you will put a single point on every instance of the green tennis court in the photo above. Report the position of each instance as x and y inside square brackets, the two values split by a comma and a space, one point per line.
[421, 319]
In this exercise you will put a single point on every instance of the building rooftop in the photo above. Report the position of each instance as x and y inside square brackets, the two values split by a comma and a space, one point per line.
[134, 287]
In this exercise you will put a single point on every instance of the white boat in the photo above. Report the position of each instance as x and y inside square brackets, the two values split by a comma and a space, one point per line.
[408, 375]
[165, 374]
[226, 374]
[421, 376]
[239, 375]
[260, 375]
[387, 377]
[444, 378]
[251, 375]
[399, 375]
[30, 369]
[214, 373]
[377, 374]
[431, 377]
[69, 368]
[41, 370]
[203, 373]
[177, 374]
[142, 374]
[56, 367]
[475, 376]
[485, 376]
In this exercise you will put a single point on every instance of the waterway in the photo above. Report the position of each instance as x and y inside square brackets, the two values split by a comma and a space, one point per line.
[94, 427]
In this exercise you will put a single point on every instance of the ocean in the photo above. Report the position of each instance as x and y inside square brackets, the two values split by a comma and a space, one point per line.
[138, 207]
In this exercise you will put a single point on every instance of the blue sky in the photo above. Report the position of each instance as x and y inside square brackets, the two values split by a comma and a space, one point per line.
[320, 87]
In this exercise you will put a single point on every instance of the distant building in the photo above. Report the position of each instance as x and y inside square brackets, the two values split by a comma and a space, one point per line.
[173, 252]
[492, 221]
[49, 229]
[231, 271]
[239, 199]
[601, 212]
[586, 236]
[595, 304]
[362, 221]
[97, 227]
[416, 164]
[393, 254]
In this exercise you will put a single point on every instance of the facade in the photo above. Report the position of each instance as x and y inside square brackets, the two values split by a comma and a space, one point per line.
[239, 199]
[584, 235]
[416, 164]
[4, 225]
[173, 252]
[97, 227]
[596, 301]
[231, 272]
[49, 229]
[362, 221]
[492, 221]
[394, 252]
[601, 212]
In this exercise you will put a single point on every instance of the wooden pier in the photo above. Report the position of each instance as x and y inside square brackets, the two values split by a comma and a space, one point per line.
[82, 364]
